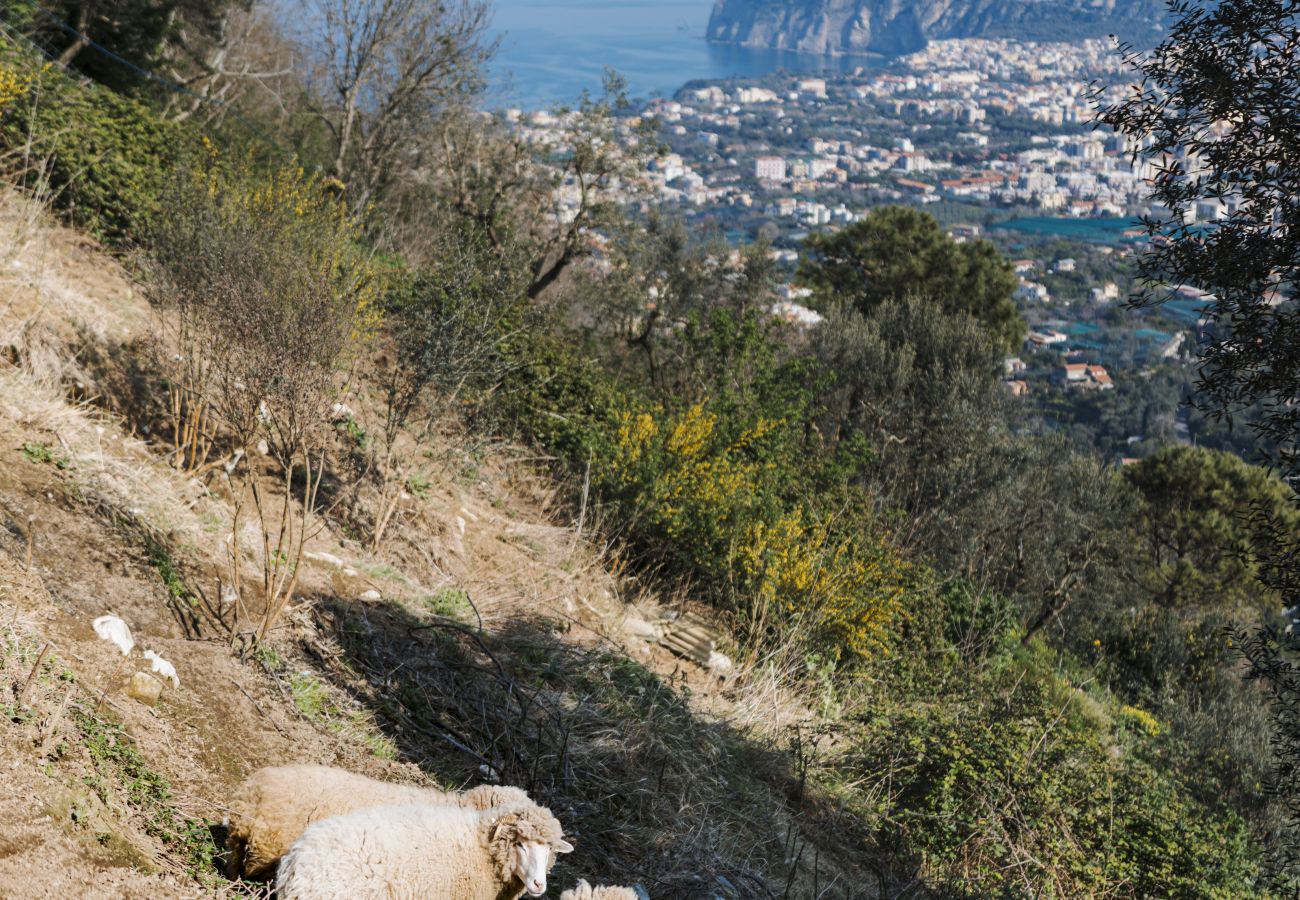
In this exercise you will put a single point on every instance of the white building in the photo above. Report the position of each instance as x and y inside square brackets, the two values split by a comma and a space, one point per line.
[815, 87]
[756, 95]
[769, 168]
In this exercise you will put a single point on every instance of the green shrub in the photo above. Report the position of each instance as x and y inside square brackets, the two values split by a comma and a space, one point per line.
[451, 603]
[108, 156]
[1017, 783]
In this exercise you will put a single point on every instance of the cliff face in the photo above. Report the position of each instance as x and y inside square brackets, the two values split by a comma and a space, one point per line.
[903, 26]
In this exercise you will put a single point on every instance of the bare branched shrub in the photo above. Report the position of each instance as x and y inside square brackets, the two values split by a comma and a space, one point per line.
[266, 292]
[445, 327]
[384, 73]
[542, 195]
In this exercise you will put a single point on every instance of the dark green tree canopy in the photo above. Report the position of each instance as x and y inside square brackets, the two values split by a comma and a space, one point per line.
[1215, 115]
[168, 38]
[898, 251]
[1199, 524]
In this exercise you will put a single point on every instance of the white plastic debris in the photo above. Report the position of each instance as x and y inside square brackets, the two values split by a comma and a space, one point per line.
[163, 667]
[113, 629]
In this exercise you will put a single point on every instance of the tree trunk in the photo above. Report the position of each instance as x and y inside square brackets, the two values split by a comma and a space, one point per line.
[80, 42]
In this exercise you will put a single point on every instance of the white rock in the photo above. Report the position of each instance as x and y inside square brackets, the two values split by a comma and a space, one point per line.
[164, 668]
[144, 687]
[371, 596]
[113, 629]
[639, 627]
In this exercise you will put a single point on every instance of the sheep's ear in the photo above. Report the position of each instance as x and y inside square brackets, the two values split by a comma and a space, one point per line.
[563, 846]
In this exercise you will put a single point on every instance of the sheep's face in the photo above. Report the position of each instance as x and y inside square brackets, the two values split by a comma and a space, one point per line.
[532, 861]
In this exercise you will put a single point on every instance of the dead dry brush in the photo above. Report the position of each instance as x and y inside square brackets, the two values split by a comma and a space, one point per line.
[444, 329]
[267, 294]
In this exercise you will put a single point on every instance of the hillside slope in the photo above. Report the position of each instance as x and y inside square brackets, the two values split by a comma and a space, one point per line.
[487, 637]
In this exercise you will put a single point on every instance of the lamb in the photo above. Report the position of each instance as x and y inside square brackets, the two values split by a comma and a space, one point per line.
[273, 807]
[584, 891]
[423, 852]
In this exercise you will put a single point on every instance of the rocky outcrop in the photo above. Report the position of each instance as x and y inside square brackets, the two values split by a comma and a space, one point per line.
[893, 27]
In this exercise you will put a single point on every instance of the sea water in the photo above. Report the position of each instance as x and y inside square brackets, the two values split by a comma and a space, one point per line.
[550, 52]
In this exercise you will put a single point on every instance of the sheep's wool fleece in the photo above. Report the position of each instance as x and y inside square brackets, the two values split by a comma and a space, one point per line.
[404, 853]
[275, 805]
[584, 891]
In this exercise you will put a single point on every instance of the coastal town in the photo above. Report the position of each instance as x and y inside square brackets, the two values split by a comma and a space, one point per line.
[979, 121]
[995, 138]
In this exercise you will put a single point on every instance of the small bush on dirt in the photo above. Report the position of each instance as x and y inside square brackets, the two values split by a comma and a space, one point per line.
[43, 453]
[450, 603]
[263, 292]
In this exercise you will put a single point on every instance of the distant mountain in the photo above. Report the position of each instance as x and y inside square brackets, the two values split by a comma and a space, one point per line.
[903, 26]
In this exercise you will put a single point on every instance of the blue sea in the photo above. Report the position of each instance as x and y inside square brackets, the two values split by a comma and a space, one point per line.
[1097, 231]
[550, 52]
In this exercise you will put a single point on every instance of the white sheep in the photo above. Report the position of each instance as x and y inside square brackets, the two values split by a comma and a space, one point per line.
[113, 629]
[584, 891]
[273, 807]
[423, 852]
[163, 668]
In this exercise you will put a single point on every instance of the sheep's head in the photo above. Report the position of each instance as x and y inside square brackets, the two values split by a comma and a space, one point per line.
[524, 841]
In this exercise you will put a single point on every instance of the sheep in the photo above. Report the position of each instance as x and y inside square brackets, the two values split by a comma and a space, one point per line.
[584, 891]
[271, 809]
[423, 852]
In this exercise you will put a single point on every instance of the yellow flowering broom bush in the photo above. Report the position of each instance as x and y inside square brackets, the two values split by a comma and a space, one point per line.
[711, 501]
[14, 85]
